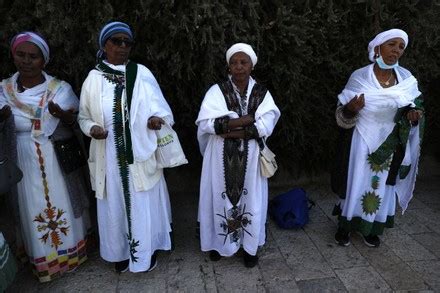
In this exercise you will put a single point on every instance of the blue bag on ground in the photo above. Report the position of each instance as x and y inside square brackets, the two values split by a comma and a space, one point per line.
[291, 209]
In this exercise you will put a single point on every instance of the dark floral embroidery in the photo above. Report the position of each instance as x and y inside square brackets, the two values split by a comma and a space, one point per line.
[235, 158]
[234, 223]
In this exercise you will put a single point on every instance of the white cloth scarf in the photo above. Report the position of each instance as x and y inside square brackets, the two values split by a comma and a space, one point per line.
[147, 101]
[376, 119]
[64, 97]
[383, 37]
[242, 47]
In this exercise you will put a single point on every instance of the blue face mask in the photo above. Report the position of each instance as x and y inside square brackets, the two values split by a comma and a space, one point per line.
[383, 65]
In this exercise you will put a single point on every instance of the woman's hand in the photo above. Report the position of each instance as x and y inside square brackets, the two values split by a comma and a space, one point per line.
[243, 121]
[5, 112]
[247, 120]
[97, 132]
[67, 116]
[356, 104]
[414, 115]
[155, 123]
[234, 134]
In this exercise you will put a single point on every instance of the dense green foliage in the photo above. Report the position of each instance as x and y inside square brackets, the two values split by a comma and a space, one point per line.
[307, 49]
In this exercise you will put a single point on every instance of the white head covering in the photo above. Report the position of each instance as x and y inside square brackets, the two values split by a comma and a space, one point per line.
[242, 47]
[385, 36]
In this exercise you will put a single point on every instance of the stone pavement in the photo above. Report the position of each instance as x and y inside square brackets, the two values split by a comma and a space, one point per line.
[305, 260]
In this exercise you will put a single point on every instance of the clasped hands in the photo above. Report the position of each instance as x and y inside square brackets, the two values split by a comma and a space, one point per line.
[236, 126]
[154, 123]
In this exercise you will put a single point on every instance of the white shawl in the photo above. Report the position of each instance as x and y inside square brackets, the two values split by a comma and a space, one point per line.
[147, 101]
[376, 119]
[214, 106]
[30, 98]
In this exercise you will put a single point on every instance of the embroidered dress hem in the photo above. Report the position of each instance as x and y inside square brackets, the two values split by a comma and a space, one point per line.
[358, 224]
[52, 266]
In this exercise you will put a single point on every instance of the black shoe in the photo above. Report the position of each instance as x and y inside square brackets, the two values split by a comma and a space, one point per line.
[122, 266]
[250, 261]
[342, 238]
[153, 262]
[214, 255]
[372, 240]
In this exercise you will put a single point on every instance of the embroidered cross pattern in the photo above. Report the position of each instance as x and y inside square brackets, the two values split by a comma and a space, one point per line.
[234, 223]
[50, 221]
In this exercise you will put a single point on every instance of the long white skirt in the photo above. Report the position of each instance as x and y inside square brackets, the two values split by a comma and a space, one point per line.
[150, 217]
[370, 204]
[54, 239]
[219, 229]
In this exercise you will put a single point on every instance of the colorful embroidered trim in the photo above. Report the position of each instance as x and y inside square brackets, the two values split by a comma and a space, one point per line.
[366, 228]
[49, 267]
[50, 222]
[36, 112]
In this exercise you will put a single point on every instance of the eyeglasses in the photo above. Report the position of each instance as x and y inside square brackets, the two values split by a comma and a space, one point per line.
[118, 42]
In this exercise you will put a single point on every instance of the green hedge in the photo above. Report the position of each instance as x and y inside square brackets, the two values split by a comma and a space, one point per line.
[307, 50]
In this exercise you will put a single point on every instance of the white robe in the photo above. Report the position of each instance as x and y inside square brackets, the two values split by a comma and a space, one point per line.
[150, 209]
[365, 201]
[213, 207]
[32, 200]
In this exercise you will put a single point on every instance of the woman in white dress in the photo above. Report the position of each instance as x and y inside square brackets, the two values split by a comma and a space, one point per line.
[52, 207]
[235, 117]
[380, 112]
[121, 105]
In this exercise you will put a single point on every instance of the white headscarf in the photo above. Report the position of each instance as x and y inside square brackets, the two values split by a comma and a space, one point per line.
[242, 47]
[383, 37]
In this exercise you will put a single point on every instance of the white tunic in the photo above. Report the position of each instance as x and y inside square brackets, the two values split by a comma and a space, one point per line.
[214, 207]
[150, 215]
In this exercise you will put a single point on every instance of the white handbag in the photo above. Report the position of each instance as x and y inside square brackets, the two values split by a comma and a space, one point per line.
[268, 164]
[169, 152]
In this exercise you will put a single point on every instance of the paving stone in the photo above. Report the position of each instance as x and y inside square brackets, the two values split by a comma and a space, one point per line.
[303, 260]
[302, 255]
[141, 282]
[430, 272]
[376, 256]
[327, 206]
[416, 203]
[93, 275]
[237, 278]
[411, 223]
[190, 276]
[401, 277]
[317, 215]
[430, 241]
[277, 275]
[322, 285]
[362, 279]
[322, 235]
[430, 217]
[406, 247]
